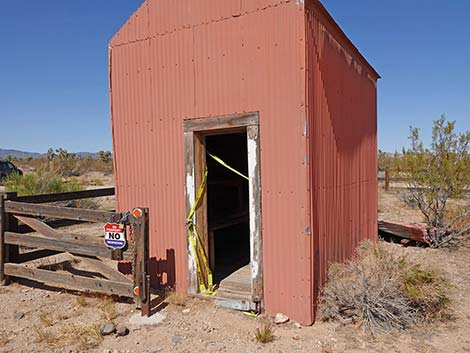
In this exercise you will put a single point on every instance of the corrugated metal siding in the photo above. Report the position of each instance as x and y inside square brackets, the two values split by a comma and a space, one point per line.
[201, 58]
[341, 91]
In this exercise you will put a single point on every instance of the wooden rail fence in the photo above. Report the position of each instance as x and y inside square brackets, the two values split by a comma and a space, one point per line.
[42, 254]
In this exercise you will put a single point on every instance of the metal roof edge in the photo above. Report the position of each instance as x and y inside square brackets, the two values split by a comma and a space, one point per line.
[113, 39]
[318, 7]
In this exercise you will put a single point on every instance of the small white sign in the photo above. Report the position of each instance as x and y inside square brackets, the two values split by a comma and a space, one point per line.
[115, 236]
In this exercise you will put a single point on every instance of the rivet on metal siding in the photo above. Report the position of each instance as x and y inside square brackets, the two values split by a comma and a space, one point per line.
[307, 231]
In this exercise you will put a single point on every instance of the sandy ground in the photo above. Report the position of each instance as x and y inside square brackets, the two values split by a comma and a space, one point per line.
[38, 320]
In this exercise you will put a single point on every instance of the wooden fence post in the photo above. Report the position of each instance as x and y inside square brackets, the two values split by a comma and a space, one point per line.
[387, 180]
[10, 253]
[2, 239]
[140, 228]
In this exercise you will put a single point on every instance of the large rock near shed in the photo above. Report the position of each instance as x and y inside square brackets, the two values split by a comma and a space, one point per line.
[281, 319]
[122, 330]
[107, 329]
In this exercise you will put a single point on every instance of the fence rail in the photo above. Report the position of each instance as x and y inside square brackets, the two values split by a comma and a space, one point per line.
[58, 247]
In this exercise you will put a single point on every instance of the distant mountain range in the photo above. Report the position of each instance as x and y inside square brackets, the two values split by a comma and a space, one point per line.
[4, 153]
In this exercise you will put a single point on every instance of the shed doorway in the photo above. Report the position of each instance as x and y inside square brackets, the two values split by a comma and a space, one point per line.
[228, 213]
[223, 154]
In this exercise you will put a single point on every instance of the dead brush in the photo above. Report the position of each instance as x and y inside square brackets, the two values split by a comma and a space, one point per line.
[175, 298]
[382, 289]
[265, 333]
[84, 336]
[82, 301]
[79, 335]
[46, 336]
[48, 318]
[108, 309]
[4, 338]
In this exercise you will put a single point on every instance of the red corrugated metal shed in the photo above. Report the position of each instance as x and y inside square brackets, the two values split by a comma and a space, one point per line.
[316, 98]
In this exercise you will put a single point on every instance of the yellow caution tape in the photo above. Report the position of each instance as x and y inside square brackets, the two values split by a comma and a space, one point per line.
[194, 237]
[217, 159]
[251, 313]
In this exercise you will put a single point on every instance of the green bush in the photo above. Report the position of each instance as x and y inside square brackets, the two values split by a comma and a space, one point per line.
[37, 184]
[46, 183]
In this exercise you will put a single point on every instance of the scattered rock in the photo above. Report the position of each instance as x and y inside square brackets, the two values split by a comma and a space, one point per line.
[177, 339]
[186, 311]
[107, 329]
[139, 320]
[19, 315]
[347, 321]
[297, 325]
[122, 330]
[281, 319]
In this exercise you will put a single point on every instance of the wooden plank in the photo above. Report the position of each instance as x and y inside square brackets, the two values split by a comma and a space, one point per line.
[67, 196]
[101, 267]
[70, 281]
[10, 224]
[200, 164]
[141, 260]
[190, 197]
[72, 246]
[256, 241]
[49, 260]
[2, 239]
[49, 232]
[77, 214]
[218, 123]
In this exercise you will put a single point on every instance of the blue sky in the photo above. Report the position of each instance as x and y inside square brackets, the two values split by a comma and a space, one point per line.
[54, 84]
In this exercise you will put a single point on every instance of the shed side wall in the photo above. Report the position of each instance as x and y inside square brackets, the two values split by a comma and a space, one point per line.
[229, 57]
[343, 133]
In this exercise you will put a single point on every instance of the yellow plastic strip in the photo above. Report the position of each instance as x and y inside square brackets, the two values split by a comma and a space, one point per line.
[217, 159]
[195, 239]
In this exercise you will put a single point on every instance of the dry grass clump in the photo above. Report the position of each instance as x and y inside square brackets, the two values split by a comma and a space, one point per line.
[383, 289]
[175, 298]
[108, 309]
[80, 335]
[264, 334]
[48, 318]
[82, 301]
[4, 338]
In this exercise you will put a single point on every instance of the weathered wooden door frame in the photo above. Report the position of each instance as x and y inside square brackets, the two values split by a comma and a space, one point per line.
[193, 129]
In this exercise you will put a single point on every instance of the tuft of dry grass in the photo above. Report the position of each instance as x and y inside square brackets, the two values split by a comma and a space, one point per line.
[264, 334]
[4, 338]
[48, 318]
[175, 298]
[383, 289]
[87, 336]
[108, 309]
[80, 335]
[82, 301]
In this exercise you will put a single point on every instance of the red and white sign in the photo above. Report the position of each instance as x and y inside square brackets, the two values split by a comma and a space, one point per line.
[115, 236]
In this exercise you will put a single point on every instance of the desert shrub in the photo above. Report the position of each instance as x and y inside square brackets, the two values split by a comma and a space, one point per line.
[383, 289]
[36, 184]
[437, 174]
[46, 183]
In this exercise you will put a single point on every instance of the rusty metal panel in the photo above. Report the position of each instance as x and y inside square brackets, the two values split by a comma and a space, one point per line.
[342, 110]
[204, 58]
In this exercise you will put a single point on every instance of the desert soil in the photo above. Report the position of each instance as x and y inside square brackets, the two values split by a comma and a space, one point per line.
[39, 320]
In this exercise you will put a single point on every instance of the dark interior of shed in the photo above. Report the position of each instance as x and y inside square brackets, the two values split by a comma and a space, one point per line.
[227, 207]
